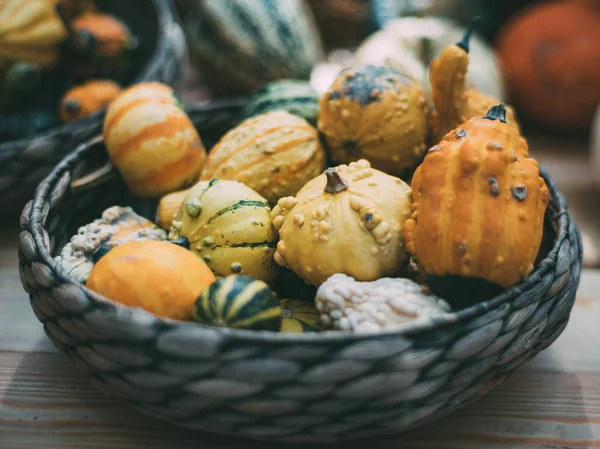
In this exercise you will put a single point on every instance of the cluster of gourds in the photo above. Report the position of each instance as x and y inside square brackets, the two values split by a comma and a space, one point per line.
[65, 51]
[383, 182]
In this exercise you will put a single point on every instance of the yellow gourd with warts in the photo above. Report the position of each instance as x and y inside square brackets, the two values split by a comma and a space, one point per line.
[346, 220]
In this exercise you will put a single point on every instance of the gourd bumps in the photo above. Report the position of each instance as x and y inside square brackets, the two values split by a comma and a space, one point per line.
[479, 204]
[375, 113]
[346, 220]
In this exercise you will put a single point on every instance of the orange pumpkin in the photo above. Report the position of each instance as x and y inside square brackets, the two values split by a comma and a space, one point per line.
[551, 57]
[86, 99]
[159, 277]
[111, 34]
[275, 154]
[152, 141]
[478, 206]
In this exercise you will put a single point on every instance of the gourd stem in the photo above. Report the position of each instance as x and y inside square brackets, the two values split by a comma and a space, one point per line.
[497, 112]
[335, 183]
[77, 39]
[464, 42]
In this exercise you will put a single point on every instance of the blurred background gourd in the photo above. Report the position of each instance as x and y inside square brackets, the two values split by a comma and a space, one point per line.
[238, 45]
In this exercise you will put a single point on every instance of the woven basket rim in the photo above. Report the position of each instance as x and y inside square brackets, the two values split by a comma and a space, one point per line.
[562, 217]
[166, 19]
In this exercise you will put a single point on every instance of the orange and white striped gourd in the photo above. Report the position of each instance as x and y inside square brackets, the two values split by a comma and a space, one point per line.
[151, 140]
[478, 206]
[274, 154]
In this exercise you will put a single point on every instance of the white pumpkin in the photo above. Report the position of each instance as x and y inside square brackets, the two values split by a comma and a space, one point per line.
[411, 43]
[595, 145]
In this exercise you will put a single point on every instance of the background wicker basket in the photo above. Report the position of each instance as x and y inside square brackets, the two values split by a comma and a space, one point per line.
[284, 387]
[25, 162]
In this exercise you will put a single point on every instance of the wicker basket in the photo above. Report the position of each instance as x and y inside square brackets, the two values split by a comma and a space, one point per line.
[25, 162]
[284, 387]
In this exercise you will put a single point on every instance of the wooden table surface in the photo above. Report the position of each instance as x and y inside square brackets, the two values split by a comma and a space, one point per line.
[551, 402]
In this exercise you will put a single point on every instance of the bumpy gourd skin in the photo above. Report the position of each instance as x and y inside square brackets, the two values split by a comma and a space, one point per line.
[454, 103]
[229, 227]
[479, 205]
[353, 227]
[378, 114]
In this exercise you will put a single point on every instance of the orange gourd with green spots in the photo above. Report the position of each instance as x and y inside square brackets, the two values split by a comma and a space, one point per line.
[152, 141]
[478, 205]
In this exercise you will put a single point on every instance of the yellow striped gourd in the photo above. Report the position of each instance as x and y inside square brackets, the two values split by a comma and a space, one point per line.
[229, 227]
[30, 31]
[275, 153]
[239, 302]
[151, 140]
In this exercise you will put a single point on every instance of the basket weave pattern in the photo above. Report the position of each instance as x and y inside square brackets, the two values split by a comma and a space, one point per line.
[297, 388]
[25, 162]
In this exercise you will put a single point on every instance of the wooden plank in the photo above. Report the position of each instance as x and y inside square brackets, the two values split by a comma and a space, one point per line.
[45, 399]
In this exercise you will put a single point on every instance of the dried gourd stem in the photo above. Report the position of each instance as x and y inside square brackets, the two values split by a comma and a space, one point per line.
[497, 112]
[464, 42]
[335, 183]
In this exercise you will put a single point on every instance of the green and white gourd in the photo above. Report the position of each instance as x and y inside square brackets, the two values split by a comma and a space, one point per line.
[294, 96]
[239, 45]
[239, 302]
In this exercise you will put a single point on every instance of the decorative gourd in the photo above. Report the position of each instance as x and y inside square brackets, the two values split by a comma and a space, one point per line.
[159, 277]
[98, 45]
[109, 33]
[478, 212]
[168, 207]
[346, 220]
[551, 55]
[239, 45]
[239, 302]
[299, 316]
[375, 113]
[294, 96]
[30, 31]
[411, 43]
[116, 226]
[387, 303]
[229, 227]
[84, 100]
[274, 154]
[454, 103]
[151, 140]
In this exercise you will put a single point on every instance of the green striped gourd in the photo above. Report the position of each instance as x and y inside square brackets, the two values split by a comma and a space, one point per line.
[239, 45]
[299, 316]
[295, 96]
[239, 302]
[229, 227]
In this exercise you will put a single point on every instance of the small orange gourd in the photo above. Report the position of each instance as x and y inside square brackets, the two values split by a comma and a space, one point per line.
[84, 100]
[168, 206]
[478, 210]
[274, 154]
[378, 114]
[111, 35]
[455, 104]
[152, 141]
[160, 277]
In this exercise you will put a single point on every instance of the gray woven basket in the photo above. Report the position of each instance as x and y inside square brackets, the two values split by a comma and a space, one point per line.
[284, 387]
[25, 162]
